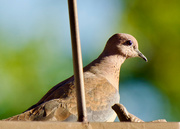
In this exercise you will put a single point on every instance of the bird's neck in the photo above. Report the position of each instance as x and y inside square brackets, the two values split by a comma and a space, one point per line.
[108, 67]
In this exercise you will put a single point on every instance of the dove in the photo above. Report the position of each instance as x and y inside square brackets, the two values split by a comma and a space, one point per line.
[101, 84]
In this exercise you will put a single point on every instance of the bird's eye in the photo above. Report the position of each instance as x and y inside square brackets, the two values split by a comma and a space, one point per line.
[129, 43]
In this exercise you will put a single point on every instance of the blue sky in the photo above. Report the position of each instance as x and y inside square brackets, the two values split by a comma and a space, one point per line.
[26, 19]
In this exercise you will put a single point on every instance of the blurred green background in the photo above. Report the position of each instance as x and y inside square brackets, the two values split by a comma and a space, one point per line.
[35, 51]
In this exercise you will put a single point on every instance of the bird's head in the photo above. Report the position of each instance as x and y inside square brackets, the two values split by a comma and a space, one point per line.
[125, 45]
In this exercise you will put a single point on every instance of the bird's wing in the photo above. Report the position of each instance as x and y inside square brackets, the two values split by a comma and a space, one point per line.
[61, 103]
[53, 106]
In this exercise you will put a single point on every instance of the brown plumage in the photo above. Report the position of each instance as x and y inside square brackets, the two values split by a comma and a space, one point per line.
[101, 81]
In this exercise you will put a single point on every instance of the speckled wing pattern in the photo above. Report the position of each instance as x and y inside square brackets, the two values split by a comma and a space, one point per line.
[59, 104]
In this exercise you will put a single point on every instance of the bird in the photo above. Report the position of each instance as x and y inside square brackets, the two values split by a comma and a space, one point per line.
[101, 84]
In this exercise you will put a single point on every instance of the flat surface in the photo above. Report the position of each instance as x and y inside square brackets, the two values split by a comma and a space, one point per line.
[94, 125]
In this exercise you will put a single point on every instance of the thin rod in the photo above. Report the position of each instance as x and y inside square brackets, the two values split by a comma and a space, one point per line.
[77, 61]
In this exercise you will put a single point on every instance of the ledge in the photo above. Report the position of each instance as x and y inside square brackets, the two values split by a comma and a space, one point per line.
[92, 125]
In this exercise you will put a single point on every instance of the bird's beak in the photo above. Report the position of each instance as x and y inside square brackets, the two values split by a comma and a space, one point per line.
[141, 55]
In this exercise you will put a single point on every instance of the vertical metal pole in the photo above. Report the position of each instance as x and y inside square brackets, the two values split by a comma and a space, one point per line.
[77, 61]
